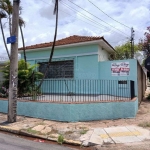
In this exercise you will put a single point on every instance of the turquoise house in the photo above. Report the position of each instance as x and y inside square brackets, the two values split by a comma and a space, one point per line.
[81, 64]
[75, 57]
[78, 58]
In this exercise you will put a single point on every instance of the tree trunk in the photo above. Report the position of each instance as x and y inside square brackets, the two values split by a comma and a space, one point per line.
[10, 26]
[52, 50]
[23, 46]
[4, 39]
[13, 79]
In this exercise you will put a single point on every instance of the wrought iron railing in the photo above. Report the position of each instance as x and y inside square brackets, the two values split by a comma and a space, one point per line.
[81, 91]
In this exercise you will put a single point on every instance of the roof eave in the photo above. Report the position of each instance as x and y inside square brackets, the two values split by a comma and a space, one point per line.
[70, 45]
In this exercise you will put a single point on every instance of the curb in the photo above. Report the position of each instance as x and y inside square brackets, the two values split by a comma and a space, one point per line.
[24, 133]
[9, 129]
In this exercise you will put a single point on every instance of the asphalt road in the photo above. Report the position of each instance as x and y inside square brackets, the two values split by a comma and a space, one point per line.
[9, 142]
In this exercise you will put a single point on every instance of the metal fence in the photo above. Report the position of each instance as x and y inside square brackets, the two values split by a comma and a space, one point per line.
[82, 91]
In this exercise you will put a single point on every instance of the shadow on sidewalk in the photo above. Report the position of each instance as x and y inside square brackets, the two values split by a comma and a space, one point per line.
[4, 123]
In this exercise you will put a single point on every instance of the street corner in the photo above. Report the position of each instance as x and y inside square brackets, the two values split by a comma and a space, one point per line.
[100, 137]
[117, 135]
[86, 137]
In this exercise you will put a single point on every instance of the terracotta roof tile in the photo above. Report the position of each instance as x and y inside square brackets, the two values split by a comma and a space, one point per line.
[69, 40]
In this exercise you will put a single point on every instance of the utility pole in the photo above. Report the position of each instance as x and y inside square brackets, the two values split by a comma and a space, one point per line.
[132, 43]
[13, 79]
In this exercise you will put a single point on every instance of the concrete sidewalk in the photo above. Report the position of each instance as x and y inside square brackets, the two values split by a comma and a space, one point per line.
[79, 133]
[117, 135]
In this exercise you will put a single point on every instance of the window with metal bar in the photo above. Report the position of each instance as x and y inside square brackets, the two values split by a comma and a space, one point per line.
[58, 69]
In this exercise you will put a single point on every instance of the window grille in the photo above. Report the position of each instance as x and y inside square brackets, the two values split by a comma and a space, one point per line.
[58, 69]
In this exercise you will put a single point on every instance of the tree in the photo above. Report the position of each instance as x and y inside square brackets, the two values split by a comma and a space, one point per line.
[7, 6]
[53, 46]
[3, 15]
[27, 77]
[144, 45]
[124, 51]
[21, 24]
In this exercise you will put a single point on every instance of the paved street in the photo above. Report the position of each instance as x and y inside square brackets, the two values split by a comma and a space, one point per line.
[9, 142]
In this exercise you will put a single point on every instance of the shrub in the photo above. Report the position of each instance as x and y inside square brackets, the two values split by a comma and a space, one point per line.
[27, 77]
[60, 139]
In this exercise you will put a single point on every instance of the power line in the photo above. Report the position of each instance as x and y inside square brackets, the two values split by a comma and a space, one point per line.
[91, 20]
[121, 40]
[84, 16]
[81, 19]
[97, 17]
[108, 15]
[45, 2]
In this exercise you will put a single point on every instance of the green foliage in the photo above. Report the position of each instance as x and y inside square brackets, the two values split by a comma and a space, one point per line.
[83, 131]
[145, 44]
[60, 139]
[27, 78]
[3, 91]
[124, 51]
[29, 130]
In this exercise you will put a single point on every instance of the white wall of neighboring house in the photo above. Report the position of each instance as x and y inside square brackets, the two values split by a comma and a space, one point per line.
[103, 55]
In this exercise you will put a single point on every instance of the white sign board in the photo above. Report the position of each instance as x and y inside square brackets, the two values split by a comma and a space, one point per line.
[120, 69]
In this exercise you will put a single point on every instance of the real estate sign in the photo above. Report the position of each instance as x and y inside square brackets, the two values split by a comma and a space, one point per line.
[120, 69]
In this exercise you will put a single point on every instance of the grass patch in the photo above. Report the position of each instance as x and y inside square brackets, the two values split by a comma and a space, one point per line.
[83, 131]
[144, 124]
[60, 139]
[29, 130]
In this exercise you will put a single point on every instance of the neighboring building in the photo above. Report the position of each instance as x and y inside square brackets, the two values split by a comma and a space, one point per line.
[75, 57]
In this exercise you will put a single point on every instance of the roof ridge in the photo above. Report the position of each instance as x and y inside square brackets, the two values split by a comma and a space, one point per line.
[64, 41]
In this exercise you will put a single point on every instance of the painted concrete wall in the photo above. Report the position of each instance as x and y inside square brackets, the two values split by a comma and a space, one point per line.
[105, 72]
[62, 52]
[86, 67]
[81, 55]
[75, 112]
[89, 63]
[103, 55]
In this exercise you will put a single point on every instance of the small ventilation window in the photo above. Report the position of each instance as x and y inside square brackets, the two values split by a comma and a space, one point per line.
[122, 82]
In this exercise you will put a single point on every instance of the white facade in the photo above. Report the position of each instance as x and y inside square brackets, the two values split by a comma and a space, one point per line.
[103, 55]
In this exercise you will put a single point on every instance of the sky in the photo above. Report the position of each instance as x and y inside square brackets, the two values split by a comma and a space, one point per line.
[80, 17]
